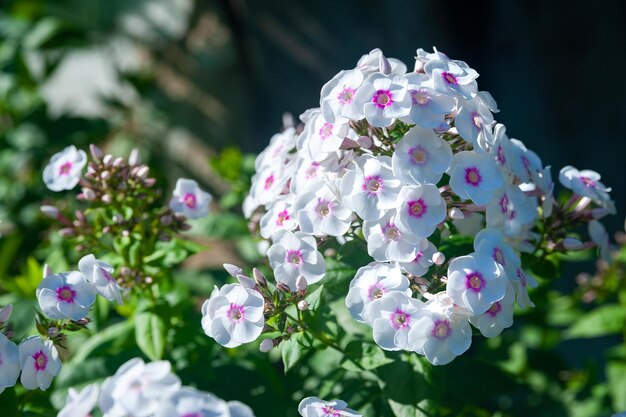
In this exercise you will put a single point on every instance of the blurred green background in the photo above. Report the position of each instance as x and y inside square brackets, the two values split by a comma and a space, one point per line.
[197, 85]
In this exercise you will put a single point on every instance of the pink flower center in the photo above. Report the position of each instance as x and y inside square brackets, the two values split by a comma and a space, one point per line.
[420, 97]
[588, 182]
[418, 155]
[189, 200]
[391, 232]
[66, 294]
[373, 184]
[418, 257]
[494, 309]
[449, 78]
[472, 176]
[65, 169]
[41, 361]
[474, 281]
[399, 319]
[441, 330]
[323, 207]
[282, 216]
[235, 312]
[382, 99]
[477, 120]
[498, 256]
[326, 130]
[269, 181]
[346, 95]
[417, 208]
[375, 291]
[330, 412]
[293, 257]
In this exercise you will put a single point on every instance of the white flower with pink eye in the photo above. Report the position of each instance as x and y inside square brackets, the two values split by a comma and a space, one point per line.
[421, 157]
[9, 362]
[423, 260]
[293, 255]
[491, 243]
[521, 282]
[321, 213]
[420, 210]
[279, 217]
[315, 407]
[523, 162]
[137, 389]
[321, 137]
[337, 96]
[370, 63]
[473, 121]
[383, 99]
[188, 402]
[373, 282]
[99, 273]
[67, 295]
[370, 188]
[586, 183]
[64, 169]
[452, 77]
[39, 361]
[309, 174]
[475, 281]
[80, 403]
[498, 316]
[277, 151]
[511, 210]
[385, 241]
[188, 199]
[439, 337]
[269, 183]
[391, 318]
[233, 315]
[475, 176]
[428, 107]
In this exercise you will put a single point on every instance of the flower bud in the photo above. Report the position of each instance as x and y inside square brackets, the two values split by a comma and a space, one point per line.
[47, 270]
[301, 283]
[106, 199]
[283, 287]
[96, 152]
[383, 65]
[89, 194]
[303, 305]
[246, 281]
[259, 278]
[52, 332]
[438, 258]
[117, 162]
[365, 142]
[67, 232]
[456, 213]
[349, 144]
[118, 219]
[149, 182]
[5, 313]
[233, 270]
[105, 175]
[571, 243]
[107, 159]
[142, 172]
[134, 158]
[50, 211]
[266, 345]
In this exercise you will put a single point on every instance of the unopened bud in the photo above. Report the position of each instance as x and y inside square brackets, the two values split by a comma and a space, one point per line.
[383, 65]
[303, 305]
[149, 182]
[571, 243]
[50, 211]
[107, 159]
[438, 258]
[107, 198]
[142, 172]
[96, 152]
[117, 162]
[134, 158]
[456, 213]
[283, 287]
[89, 194]
[246, 282]
[365, 142]
[419, 65]
[5, 313]
[148, 280]
[67, 232]
[53, 331]
[83, 322]
[118, 219]
[301, 283]
[266, 345]
[105, 175]
[233, 270]
[259, 278]
[349, 144]
[47, 270]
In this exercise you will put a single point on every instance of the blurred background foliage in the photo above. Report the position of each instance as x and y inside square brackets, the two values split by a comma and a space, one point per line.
[199, 86]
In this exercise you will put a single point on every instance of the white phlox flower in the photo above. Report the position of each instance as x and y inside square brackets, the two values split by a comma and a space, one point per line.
[474, 176]
[452, 77]
[385, 241]
[522, 162]
[239, 409]
[277, 151]
[423, 260]
[280, 216]
[383, 99]
[498, 316]
[428, 107]
[373, 282]
[99, 273]
[269, 183]
[370, 63]
[421, 157]
[420, 210]
[233, 315]
[39, 361]
[321, 213]
[586, 183]
[188, 199]
[295, 254]
[491, 242]
[321, 137]
[315, 407]
[511, 210]
[474, 121]
[67, 295]
[337, 96]
[9, 362]
[190, 402]
[64, 169]
[80, 403]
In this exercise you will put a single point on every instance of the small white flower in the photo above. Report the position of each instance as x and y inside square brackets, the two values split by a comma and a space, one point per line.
[452, 77]
[522, 162]
[521, 282]
[269, 183]
[64, 169]
[315, 407]
[188, 402]
[370, 63]
[428, 106]
[385, 242]
[498, 316]
[373, 282]
[9, 362]
[295, 254]
[277, 151]
[421, 157]
[383, 98]
[80, 403]
[420, 210]
[491, 242]
[586, 183]
[99, 273]
[475, 281]
[233, 315]
[39, 361]
[279, 217]
[190, 200]
[474, 176]
[474, 121]
[370, 188]
[321, 137]
[137, 389]
[66, 295]
[511, 210]
[601, 238]
[391, 318]
[337, 96]
[321, 213]
[424, 258]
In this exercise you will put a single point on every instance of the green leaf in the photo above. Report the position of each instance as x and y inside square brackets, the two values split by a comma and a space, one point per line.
[604, 320]
[294, 349]
[405, 387]
[314, 298]
[116, 332]
[364, 355]
[616, 375]
[150, 334]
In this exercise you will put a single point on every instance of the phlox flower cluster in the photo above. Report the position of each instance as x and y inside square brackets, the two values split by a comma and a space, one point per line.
[403, 160]
[140, 389]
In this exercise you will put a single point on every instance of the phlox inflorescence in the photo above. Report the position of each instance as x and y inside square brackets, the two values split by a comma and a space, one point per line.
[403, 160]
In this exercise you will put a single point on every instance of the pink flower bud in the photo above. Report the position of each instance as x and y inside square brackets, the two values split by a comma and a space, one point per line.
[142, 172]
[266, 345]
[456, 213]
[89, 194]
[105, 175]
[50, 211]
[67, 232]
[259, 278]
[246, 281]
[349, 144]
[303, 305]
[301, 283]
[134, 158]
[383, 65]
[108, 158]
[5, 313]
[96, 152]
[117, 162]
[107, 198]
[365, 142]
[438, 258]
[47, 270]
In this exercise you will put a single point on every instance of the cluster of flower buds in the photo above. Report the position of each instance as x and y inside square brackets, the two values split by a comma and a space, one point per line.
[122, 203]
[403, 160]
[149, 390]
